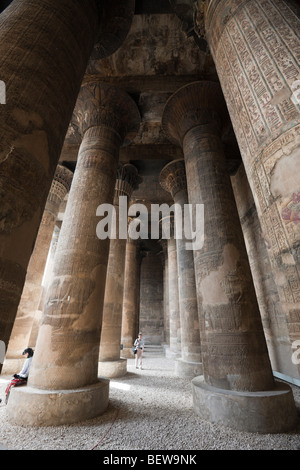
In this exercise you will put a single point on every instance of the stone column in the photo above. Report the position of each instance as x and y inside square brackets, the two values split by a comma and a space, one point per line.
[29, 303]
[130, 312]
[273, 317]
[173, 180]
[45, 283]
[110, 363]
[151, 318]
[164, 245]
[255, 46]
[174, 350]
[44, 51]
[238, 388]
[63, 385]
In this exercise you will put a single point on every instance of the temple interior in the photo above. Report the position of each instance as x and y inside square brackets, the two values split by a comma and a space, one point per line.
[150, 182]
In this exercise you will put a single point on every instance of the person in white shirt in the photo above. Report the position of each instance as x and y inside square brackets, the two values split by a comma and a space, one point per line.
[139, 344]
[22, 376]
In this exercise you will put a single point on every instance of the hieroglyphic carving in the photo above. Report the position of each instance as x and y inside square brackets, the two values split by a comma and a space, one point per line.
[258, 69]
[172, 178]
[59, 188]
[12, 277]
[23, 188]
[127, 181]
[291, 211]
[103, 105]
[256, 51]
[224, 283]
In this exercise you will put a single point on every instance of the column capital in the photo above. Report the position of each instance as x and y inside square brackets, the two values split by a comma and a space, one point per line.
[172, 177]
[217, 15]
[104, 105]
[60, 186]
[63, 176]
[116, 19]
[193, 105]
[128, 179]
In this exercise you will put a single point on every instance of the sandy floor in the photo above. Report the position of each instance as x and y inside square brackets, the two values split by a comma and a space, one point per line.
[149, 409]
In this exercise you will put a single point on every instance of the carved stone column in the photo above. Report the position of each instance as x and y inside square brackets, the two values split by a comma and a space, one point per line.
[63, 385]
[110, 363]
[273, 318]
[130, 313]
[255, 46]
[44, 51]
[47, 278]
[173, 180]
[29, 303]
[237, 371]
[167, 224]
[164, 245]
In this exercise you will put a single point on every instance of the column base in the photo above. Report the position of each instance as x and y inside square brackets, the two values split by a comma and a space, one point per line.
[12, 366]
[262, 412]
[112, 369]
[171, 354]
[188, 369]
[29, 406]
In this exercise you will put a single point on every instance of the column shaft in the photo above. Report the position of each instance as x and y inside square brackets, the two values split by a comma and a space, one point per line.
[110, 363]
[113, 304]
[173, 179]
[188, 306]
[69, 334]
[47, 279]
[233, 347]
[175, 334]
[235, 358]
[130, 313]
[32, 289]
[164, 244]
[44, 50]
[255, 46]
[273, 318]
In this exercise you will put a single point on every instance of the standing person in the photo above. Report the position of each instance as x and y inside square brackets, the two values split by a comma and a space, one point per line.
[139, 344]
[22, 376]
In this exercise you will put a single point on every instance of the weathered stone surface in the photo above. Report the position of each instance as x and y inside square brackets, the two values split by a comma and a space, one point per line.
[110, 343]
[41, 92]
[29, 303]
[173, 179]
[164, 258]
[116, 19]
[233, 347]
[54, 408]
[131, 298]
[147, 52]
[261, 412]
[234, 352]
[256, 51]
[69, 335]
[254, 45]
[174, 349]
[273, 317]
[151, 322]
